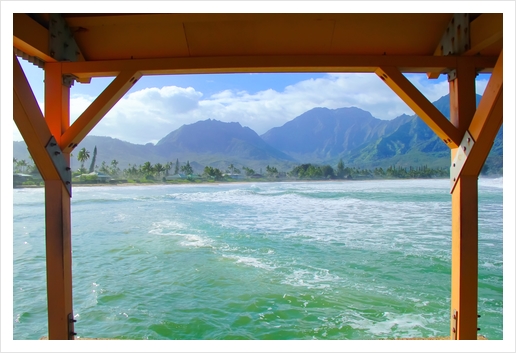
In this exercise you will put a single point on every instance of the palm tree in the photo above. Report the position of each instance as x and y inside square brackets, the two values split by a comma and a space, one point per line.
[159, 168]
[114, 167]
[147, 168]
[22, 164]
[167, 167]
[82, 157]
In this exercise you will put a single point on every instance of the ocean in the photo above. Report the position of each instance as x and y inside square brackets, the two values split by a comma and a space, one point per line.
[346, 260]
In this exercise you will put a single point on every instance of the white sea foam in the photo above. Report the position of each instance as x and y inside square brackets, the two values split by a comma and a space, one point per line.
[249, 261]
[178, 229]
[311, 278]
[360, 248]
[491, 182]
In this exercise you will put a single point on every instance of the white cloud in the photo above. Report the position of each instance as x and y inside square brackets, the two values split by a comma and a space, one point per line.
[151, 113]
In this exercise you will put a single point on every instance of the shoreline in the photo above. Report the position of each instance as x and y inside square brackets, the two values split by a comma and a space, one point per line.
[239, 182]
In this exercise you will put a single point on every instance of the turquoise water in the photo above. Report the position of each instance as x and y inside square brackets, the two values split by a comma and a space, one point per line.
[319, 260]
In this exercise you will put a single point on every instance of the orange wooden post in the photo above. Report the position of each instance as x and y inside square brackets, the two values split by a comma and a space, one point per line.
[464, 273]
[58, 215]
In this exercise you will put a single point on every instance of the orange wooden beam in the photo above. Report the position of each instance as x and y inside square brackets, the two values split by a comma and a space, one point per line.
[464, 257]
[58, 215]
[485, 30]
[57, 100]
[464, 261]
[420, 105]
[98, 109]
[270, 63]
[31, 37]
[486, 122]
[32, 125]
[482, 127]
[58, 261]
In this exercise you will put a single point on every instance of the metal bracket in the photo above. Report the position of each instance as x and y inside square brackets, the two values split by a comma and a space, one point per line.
[68, 80]
[452, 75]
[454, 324]
[460, 158]
[61, 165]
[62, 43]
[456, 38]
[71, 328]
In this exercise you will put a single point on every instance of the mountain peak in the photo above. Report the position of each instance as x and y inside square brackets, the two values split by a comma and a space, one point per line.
[218, 138]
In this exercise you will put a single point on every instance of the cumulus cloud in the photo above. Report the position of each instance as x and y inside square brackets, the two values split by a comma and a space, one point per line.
[147, 115]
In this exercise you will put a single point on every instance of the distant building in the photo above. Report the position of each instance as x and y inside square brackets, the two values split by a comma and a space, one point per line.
[175, 176]
[234, 176]
[19, 178]
[100, 177]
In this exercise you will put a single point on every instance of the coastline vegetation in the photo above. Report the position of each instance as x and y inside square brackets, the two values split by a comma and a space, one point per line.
[26, 173]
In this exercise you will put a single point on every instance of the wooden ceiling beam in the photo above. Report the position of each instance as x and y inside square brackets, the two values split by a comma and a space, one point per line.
[270, 63]
[31, 38]
[484, 31]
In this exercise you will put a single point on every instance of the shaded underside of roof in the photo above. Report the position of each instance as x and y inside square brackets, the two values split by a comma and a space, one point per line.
[145, 36]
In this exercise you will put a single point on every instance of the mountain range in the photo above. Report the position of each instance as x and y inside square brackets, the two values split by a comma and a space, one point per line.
[320, 135]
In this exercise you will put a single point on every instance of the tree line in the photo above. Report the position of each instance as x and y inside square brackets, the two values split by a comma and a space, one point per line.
[306, 171]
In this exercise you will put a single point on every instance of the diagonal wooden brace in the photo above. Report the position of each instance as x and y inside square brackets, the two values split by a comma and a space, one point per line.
[98, 109]
[420, 105]
[483, 128]
[42, 145]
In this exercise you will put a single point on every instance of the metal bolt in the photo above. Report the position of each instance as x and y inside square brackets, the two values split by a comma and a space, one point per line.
[67, 183]
[454, 316]
[478, 315]
[454, 164]
[57, 153]
[464, 148]
[53, 144]
[453, 329]
[469, 139]
[478, 328]
[68, 168]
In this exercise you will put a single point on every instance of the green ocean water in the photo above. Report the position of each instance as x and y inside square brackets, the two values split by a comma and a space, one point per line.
[319, 260]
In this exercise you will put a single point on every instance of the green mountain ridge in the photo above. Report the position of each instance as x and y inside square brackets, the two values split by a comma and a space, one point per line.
[320, 136]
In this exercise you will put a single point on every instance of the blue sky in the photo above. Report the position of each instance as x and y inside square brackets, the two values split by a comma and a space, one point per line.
[259, 101]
